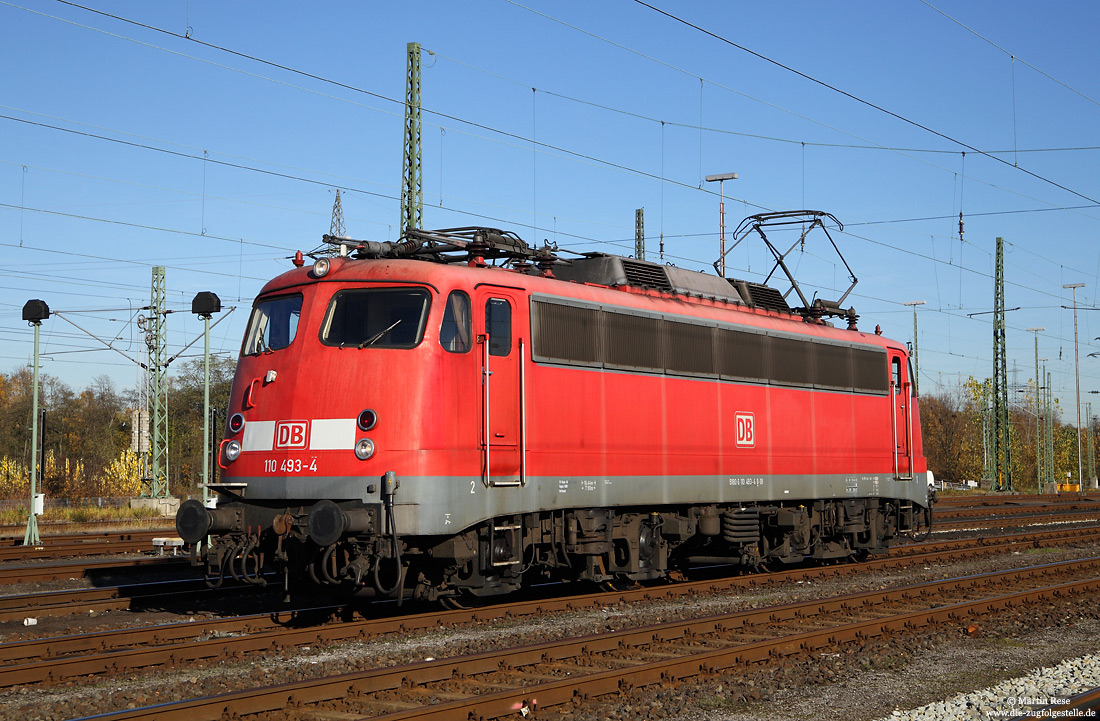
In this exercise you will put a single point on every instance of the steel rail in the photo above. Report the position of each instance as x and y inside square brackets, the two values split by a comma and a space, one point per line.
[79, 549]
[12, 574]
[943, 514]
[104, 536]
[923, 553]
[153, 646]
[704, 659]
[1033, 520]
[995, 499]
[123, 597]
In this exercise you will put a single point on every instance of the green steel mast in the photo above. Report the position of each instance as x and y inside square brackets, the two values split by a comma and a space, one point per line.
[156, 484]
[412, 186]
[1002, 452]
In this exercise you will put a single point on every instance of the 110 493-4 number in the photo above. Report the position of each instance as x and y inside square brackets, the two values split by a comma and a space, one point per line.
[290, 465]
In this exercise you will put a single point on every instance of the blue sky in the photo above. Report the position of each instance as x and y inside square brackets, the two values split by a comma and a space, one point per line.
[125, 144]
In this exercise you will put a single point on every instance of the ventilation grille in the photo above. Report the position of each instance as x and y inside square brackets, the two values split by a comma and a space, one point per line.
[646, 275]
[594, 337]
[566, 332]
[762, 296]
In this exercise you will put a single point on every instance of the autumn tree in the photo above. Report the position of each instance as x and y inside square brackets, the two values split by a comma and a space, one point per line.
[951, 427]
[185, 407]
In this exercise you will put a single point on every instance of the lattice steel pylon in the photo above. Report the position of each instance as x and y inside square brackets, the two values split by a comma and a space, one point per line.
[989, 468]
[1002, 450]
[639, 233]
[155, 485]
[412, 185]
[336, 228]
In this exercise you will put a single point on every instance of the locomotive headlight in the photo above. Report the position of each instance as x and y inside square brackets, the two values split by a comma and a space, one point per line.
[232, 451]
[364, 449]
[321, 267]
[236, 423]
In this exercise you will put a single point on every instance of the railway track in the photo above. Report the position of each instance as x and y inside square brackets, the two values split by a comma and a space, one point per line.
[1015, 520]
[101, 571]
[49, 660]
[130, 597]
[993, 499]
[576, 671]
[955, 513]
[83, 544]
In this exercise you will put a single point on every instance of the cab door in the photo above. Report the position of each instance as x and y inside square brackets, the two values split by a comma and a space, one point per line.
[500, 345]
[901, 418]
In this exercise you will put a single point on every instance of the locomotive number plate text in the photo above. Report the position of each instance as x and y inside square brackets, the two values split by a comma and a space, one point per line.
[290, 465]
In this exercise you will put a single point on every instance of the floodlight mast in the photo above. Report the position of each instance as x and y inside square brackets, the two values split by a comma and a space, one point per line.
[721, 178]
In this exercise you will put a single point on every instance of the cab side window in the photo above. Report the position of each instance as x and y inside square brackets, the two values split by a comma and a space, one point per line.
[454, 333]
[498, 324]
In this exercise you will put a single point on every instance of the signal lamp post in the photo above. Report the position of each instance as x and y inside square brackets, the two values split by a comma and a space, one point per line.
[721, 179]
[204, 305]
[34, 312]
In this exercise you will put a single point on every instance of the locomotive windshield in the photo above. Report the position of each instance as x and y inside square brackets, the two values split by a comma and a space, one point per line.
[390, 318]
[273, 325]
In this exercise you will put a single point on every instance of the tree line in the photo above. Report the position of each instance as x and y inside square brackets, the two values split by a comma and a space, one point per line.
[86, 438]
[87, 434]
[955, 424]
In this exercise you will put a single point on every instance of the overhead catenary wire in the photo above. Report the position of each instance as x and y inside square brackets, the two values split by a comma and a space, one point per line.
[865, 102]
[348, 86]
[592, 240]
[323, 79]
[1012, 55]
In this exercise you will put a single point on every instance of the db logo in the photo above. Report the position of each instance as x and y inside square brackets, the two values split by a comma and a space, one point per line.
[746, 432]
[291, 434]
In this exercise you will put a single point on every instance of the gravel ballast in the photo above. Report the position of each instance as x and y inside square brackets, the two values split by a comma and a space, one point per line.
[858, 684]
[1047, 686]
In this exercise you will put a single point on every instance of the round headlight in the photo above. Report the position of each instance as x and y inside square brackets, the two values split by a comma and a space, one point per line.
[236, 423]
[364, 449]
[321, 267]
[367, 419]
[232, 451]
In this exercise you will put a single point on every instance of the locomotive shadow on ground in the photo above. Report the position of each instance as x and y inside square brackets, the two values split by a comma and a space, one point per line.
[182, 591]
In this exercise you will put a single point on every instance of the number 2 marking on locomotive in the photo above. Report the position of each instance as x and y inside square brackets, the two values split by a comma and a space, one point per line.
[473, 484]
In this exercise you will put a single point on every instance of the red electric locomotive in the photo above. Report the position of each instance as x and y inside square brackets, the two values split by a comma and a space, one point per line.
[456, 414]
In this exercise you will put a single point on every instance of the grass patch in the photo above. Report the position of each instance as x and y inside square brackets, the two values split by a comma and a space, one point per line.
[91, 514]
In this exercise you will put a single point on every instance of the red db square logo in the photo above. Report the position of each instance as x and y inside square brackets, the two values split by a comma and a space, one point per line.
[291, 434]
[746, 430]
